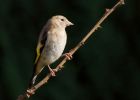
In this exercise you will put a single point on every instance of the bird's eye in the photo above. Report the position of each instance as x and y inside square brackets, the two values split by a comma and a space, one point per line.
[62, 19]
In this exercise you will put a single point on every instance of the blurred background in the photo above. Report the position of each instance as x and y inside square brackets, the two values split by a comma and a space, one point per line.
[106, 68]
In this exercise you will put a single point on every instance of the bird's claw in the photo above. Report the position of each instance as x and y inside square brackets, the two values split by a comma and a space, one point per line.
[30, 92]
[52, 71]
[68, 55]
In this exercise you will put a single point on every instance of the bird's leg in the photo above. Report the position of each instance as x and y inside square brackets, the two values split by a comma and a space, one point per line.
[68, 55]
[52, 71]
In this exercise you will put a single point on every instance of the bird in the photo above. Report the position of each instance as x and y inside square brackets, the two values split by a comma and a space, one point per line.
[51, 44]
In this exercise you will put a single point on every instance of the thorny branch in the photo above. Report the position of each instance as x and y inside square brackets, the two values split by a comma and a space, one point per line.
[31, 91]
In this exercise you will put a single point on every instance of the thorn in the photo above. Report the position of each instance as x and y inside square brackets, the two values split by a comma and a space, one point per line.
[99, 26]
[60, 67]
[122, 2]
[107, 10]
[82, 43]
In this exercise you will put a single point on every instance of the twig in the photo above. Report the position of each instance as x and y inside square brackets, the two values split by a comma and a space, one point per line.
[32, 90]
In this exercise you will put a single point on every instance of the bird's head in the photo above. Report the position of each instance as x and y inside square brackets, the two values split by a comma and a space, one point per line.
[60, 21]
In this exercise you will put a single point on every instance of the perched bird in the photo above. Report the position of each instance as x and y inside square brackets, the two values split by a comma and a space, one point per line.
[51, 43]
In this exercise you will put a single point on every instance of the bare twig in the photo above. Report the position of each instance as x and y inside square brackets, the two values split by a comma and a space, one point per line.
[32, 90]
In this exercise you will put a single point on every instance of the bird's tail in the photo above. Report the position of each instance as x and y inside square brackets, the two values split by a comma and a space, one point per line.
[32, 82]
[33, 78]
[36, 70]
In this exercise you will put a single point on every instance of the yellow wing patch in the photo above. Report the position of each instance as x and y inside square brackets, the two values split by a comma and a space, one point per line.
[38, 52]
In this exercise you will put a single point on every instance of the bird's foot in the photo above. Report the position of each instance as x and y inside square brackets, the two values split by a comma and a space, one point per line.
[52, 71]
[68, 55]
[30, 92]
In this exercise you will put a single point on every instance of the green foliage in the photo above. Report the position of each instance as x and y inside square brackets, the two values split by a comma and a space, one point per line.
[106, 68]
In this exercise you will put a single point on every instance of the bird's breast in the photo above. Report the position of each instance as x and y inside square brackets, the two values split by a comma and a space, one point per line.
[55, 46]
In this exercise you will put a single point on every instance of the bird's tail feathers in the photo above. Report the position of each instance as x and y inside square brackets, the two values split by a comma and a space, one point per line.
[35, 74]
[33, 78]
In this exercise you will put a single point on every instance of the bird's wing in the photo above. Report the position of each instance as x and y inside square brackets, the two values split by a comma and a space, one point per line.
[41, 42]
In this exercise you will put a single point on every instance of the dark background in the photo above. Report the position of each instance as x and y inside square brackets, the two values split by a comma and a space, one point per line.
[106, 68]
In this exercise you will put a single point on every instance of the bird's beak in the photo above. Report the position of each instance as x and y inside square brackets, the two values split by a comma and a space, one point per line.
[69, 23]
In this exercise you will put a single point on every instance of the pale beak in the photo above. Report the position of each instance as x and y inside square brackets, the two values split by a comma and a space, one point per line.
[69, 23]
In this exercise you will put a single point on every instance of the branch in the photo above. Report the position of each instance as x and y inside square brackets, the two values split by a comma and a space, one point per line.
[32, 90]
